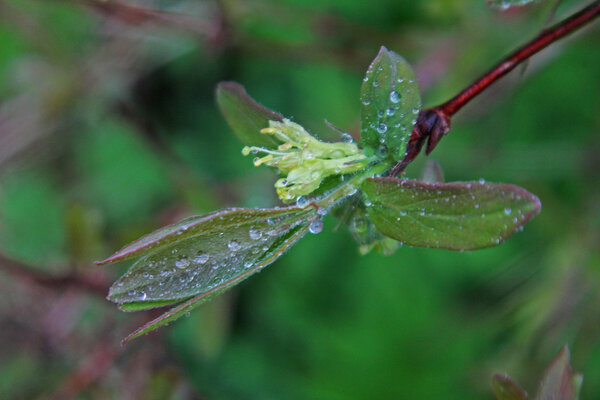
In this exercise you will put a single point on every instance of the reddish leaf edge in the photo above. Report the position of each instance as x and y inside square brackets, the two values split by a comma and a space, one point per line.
[123, 255]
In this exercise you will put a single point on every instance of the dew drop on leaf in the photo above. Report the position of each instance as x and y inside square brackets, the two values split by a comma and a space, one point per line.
[394, 96]
[301, 201]
[316, 226]
[255, 234]
[201, 258]
[234, 245]
[347, 138]
[382, 128]
[182, 262]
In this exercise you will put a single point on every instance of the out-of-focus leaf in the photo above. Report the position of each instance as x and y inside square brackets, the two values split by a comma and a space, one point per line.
[432, 173]
[559, 382]
[456, 216]
[245, 116]
[352, 212]
[504, 4]
[201, 257]
[390, 104]
[507, 389]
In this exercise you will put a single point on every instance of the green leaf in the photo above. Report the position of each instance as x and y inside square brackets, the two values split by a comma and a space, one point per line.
[390, 104]
[456, 216]
[146, 305]
[559, 382]
[203, 256]
[504, 4]
[245, 116]
[507, 389]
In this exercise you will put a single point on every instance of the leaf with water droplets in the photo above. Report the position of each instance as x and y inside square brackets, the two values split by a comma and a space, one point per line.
[506, 389]
[201, 257]
[456, 216]
[245, 116]
[559, 382]
[390, 104]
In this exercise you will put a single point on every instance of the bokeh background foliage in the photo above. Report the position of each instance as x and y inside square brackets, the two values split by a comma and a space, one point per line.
[109, 129]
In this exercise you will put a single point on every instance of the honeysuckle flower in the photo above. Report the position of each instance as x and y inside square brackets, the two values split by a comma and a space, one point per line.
[303, 160]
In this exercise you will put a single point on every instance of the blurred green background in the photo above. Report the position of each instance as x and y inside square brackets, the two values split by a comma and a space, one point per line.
[109, 129]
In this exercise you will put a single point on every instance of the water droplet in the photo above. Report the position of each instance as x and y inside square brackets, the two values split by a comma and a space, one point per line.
[482, 181]
[366, 79]
[366, 102]
[347, 138]
[507, 211]
[182, 261]
[359, 224]
[375, 83]
[394, 96]
[234, 245]
[415, 111]
[400, 80]
[316, 226]
[382, 128]
[201, 258]
[382, 151]
[248, 264]
[390, 111]
[255, 234]
[403, 213]
[301, 201]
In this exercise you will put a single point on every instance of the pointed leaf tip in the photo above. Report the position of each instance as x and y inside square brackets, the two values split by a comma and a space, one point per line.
[455, 216]
[560, 382]
[201, 257]
[245, 116]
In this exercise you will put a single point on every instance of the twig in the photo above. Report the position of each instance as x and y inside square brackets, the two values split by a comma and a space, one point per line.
[434, 122]
[100, 359]
[86, 283]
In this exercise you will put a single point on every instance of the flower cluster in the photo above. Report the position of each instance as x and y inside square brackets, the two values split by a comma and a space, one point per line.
[303, 160]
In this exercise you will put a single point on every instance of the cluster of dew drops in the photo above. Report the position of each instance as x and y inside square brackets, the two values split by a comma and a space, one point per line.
[383, 116]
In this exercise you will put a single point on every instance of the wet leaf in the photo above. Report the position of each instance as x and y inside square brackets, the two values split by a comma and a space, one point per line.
[507, 389]
[390, 104]
[201, 257]
[245, 116]
[456, 216]
[559, 382]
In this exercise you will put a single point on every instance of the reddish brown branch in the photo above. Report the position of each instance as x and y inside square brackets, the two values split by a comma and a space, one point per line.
[82, 282]
[434, 123]
[544, 39]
